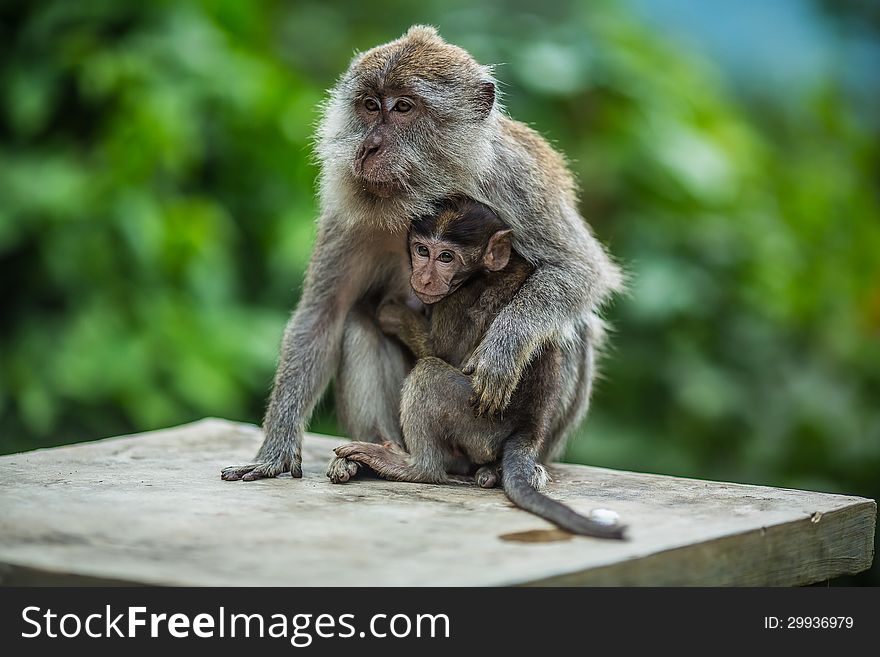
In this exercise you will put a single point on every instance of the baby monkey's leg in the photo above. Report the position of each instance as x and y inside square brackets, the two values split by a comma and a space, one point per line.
[390, 462]
[434, 414]
[423, 403]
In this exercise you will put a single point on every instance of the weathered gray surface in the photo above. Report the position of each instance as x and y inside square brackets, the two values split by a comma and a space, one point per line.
[152, 509]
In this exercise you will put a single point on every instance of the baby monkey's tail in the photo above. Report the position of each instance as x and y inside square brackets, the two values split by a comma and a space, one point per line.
[517, 472]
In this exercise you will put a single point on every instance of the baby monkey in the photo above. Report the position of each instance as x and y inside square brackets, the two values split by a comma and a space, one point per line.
[465, 271]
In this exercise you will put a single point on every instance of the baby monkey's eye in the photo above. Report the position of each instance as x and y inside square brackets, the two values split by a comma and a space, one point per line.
[446, 256]
[371, 105]
[422, 250]
[403, 106]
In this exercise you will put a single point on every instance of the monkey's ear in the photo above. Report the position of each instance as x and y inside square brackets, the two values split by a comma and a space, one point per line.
[497, 251]
[486, 98]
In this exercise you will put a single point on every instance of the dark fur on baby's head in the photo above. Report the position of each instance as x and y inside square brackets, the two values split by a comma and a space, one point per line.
[461, 220]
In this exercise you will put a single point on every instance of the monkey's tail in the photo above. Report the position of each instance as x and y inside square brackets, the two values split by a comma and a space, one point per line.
[517, 470]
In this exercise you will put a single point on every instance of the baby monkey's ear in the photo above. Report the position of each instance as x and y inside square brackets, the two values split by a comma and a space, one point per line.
[497, 251]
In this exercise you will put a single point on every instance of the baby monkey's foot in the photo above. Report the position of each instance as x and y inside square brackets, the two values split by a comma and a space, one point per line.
[388, 461]
[341, 470]
[385, 459]
[488, 476]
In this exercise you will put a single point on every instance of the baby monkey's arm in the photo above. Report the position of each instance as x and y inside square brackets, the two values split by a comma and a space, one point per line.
[407, 325]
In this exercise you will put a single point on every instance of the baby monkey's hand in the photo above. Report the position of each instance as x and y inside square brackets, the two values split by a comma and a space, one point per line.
[391, 317]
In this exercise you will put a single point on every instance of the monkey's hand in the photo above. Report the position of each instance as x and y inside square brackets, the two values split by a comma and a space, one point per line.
[494, 378]
[260, 470]
[266, 466]
[391, 317]
[406, 325]
[280, 452]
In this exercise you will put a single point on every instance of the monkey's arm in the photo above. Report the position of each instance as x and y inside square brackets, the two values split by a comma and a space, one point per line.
[547, 307]
[408, 326]
[309, 352]
[533, 191]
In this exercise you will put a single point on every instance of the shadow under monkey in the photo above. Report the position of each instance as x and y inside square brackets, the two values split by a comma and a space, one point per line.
[465, 271]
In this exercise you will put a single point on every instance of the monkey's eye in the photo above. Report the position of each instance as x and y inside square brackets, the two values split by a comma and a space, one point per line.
[422, 250]
[446, 256]
[403, 106]
[371, 105]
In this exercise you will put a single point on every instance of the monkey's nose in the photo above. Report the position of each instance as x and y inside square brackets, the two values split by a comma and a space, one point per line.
[366, 151]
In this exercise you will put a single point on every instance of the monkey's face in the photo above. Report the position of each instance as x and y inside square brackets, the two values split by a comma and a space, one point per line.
[387, 116]
[448, 247]
[408, 120]
[439, 267]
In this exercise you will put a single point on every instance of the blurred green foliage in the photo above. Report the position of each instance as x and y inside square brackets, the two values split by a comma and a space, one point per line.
[157, 212]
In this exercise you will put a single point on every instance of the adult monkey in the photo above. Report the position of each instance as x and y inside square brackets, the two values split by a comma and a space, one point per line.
[413, 121]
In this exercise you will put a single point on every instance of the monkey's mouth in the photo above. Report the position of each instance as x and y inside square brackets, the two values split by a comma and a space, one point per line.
[428, 299]
[381, 188]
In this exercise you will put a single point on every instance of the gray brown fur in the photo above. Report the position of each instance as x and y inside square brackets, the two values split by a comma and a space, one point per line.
[437, 397]
[461, 143]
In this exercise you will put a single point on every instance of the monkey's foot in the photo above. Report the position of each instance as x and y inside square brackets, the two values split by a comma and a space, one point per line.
[341, 470]
[254, 471]
[388, 461]
[488, 476]
[540, 477]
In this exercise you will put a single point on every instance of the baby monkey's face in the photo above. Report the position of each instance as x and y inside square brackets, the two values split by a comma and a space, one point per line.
[439, 267]
[446, 250]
